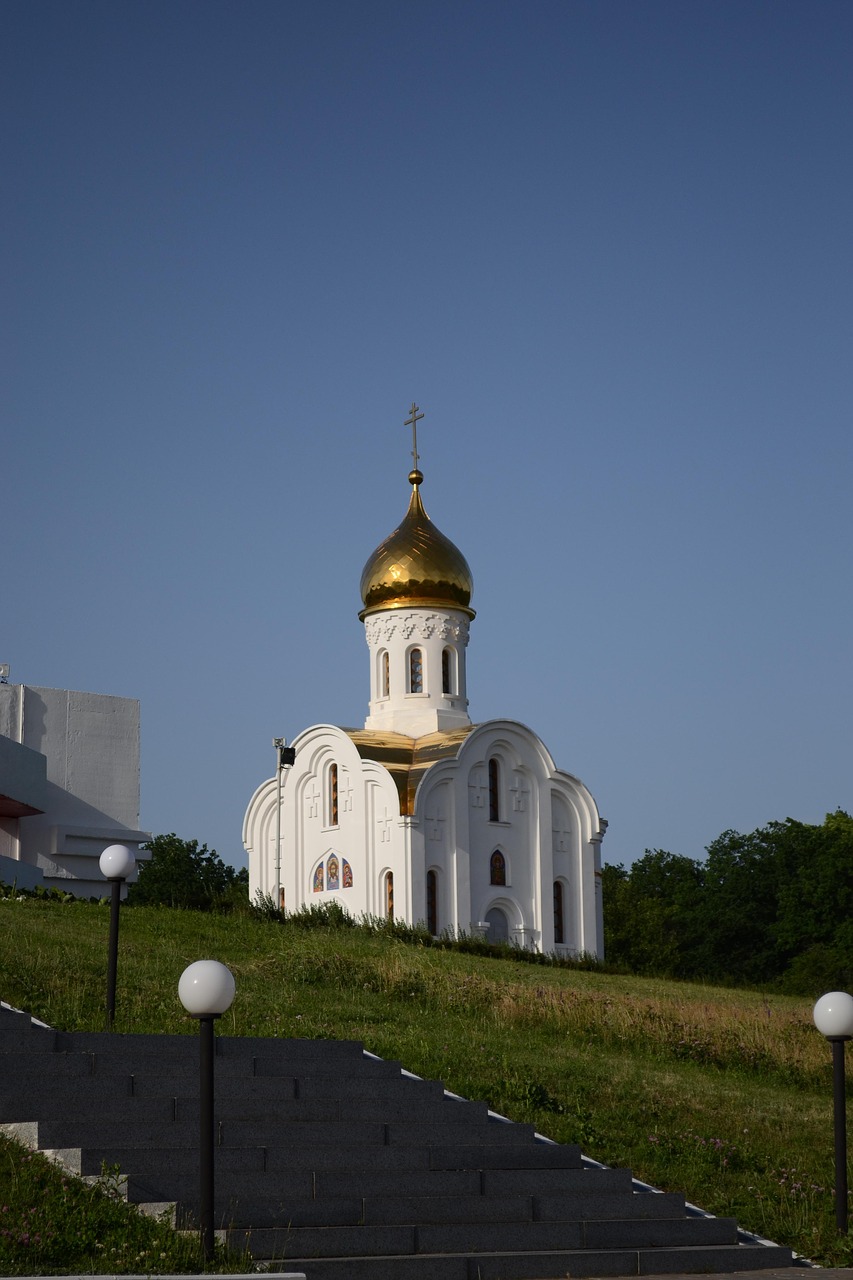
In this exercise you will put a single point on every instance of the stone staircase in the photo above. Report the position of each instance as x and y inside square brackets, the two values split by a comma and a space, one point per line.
[339, 1164]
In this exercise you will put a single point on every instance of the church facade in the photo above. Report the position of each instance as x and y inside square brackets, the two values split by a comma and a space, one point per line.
[422, 814]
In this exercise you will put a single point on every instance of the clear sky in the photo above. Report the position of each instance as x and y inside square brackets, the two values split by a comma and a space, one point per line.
[606, 246]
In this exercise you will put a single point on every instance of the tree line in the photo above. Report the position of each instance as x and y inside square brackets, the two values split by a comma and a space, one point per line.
[774, 907]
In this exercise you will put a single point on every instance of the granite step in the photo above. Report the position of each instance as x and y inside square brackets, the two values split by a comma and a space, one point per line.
[549, 1265]
[232, 1185]
[412, 1227]
[138, 1107]
[343, 1166]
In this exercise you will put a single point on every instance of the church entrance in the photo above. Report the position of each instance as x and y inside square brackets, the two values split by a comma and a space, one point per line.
[498, 925]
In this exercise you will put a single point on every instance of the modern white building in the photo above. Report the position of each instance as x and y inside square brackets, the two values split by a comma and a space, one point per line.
[69, 785]
[422, 814]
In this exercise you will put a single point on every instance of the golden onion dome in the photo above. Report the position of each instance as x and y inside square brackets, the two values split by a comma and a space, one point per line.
[416, 566]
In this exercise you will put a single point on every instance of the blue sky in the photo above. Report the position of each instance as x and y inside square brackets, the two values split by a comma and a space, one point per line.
[605, 246]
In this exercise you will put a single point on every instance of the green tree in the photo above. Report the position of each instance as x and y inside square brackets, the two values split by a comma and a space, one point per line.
[815, 923]
[772, 906]
[180, 873]
[650, 913]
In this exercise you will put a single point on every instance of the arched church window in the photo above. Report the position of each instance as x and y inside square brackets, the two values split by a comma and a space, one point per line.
[389, 895]
[559, 934]
[497, 868]
[432, 902]
[333, 795]
[494, 790]
[448, 671]
[384, 674]
[416, 671]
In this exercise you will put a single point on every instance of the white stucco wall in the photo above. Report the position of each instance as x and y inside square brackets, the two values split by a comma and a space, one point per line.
[369, 833]
[90, 742]
[548, 828]
[396, 632]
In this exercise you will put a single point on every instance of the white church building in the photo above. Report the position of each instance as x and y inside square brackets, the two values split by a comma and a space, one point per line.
[423, 815]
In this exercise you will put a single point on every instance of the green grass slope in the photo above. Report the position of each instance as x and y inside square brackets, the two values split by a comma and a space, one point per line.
[724, 1095]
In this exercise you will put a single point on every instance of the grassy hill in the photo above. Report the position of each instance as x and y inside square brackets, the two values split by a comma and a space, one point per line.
[725, 1095]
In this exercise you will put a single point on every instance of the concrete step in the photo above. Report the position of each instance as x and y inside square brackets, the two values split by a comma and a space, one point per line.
[605, 1207]
[184, 1133]
[129, 1132]
[534, 1154]
[466, 1235]
[487, 1131]
[506, 1182]
[164, 1184]
[131, 1108]
[498, 1155]
[27, 1039]
[151, 1162]
[550, 1265]
[355, 1158]
[292, 1215]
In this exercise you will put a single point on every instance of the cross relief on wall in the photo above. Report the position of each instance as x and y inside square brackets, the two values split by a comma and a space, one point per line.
[345, 793]
[477, 787]
[384, 825]
[434, 824]
[519, 793]
[312, 799]
[561, 840]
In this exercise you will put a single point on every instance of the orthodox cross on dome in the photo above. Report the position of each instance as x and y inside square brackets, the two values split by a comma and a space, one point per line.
[412, 421]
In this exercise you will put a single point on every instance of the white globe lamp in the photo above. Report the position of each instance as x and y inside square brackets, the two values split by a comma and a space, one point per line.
[206, 989]
[833, 1015]
[117, 862]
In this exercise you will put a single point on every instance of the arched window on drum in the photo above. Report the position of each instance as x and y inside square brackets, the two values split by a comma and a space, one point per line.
[416, 671]
[448, 672]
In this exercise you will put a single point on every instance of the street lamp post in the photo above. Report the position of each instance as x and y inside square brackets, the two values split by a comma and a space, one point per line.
[117, 863]
[833, 1017]
[284, 755]
[206, 989]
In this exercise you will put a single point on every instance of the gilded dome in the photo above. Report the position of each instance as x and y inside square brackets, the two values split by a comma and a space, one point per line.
[416, 566]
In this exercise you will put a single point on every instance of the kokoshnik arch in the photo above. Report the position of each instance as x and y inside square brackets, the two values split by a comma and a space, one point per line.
[423, 815]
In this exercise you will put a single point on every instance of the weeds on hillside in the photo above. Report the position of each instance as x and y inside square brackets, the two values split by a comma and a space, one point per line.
[53, 1223]
[332, 916]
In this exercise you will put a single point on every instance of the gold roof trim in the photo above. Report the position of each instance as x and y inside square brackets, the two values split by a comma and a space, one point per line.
[407, 759]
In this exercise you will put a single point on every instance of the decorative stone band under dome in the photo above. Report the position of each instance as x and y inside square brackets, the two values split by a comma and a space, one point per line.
[416, 565]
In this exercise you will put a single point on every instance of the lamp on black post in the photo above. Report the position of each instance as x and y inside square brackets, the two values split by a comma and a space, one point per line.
[117, 863]
[206, 989]
[833, 1017]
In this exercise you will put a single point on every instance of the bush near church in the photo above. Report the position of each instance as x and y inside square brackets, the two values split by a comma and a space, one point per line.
[180, 873]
